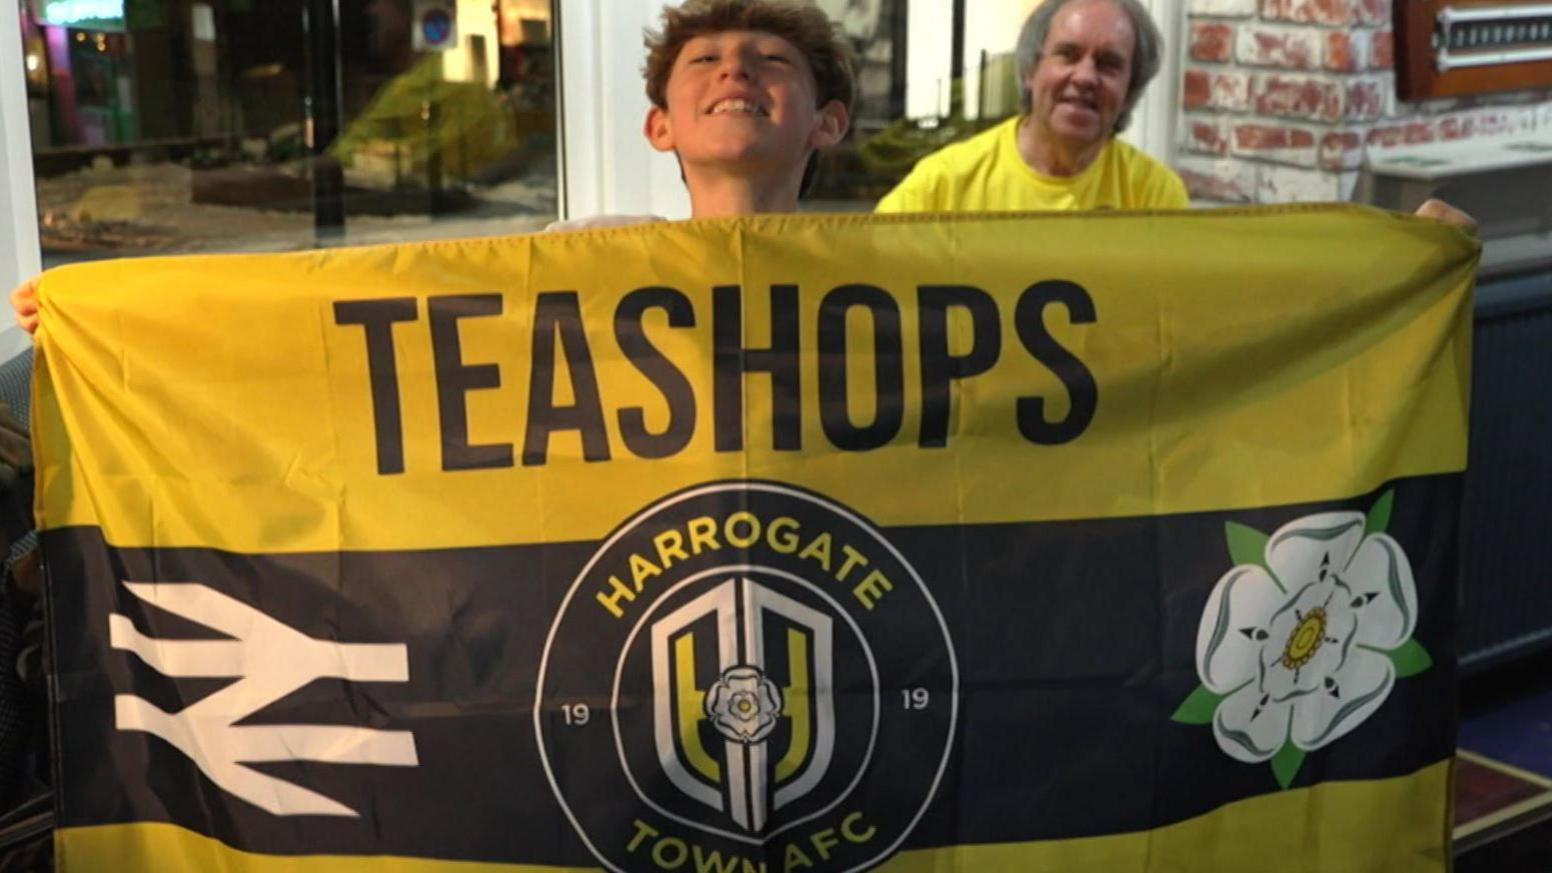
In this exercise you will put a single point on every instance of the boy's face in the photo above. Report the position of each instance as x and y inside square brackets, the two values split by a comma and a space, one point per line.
[743, 99]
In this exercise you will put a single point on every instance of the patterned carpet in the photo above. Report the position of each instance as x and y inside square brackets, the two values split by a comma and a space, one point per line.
[1503, 773]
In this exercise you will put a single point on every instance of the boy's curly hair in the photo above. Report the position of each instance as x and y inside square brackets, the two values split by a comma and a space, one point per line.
[802, 24]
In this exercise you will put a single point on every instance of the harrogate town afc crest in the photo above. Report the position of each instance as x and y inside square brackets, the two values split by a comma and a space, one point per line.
[746, 677]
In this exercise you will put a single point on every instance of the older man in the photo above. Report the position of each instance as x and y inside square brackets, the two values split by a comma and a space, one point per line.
[1082, 65]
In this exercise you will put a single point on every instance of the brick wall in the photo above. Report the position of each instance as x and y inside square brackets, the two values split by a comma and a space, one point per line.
[1283, 98]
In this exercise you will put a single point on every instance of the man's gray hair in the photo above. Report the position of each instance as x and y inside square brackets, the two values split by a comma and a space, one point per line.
[1145, 57]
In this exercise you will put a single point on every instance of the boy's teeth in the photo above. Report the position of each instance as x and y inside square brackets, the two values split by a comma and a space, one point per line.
[742, 106]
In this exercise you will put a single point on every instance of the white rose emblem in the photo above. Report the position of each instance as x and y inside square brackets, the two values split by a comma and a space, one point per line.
[743, 705]
[1298, 648]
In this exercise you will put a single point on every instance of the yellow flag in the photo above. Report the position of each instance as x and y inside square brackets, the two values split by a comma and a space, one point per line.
[1112, 542]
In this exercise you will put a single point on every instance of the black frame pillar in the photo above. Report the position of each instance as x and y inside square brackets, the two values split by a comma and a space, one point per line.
[320, 21]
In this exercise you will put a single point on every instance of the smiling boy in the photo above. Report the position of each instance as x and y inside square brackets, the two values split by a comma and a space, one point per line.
[744, 93]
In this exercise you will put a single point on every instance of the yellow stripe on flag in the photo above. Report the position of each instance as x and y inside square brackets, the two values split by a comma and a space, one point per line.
[1381, 826]
[1241, 358]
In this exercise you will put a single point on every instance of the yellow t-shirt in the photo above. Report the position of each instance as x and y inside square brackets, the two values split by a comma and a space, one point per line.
[986, 173]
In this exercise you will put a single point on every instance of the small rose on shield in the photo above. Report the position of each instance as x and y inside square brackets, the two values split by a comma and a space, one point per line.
[743, 705]
[1305, 637]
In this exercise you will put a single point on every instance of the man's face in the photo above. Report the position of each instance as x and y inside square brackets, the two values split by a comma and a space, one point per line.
[743, 98]
[1079, 86]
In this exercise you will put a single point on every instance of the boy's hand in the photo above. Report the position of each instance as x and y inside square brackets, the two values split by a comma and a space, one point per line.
[24, 300]
[1438, 210]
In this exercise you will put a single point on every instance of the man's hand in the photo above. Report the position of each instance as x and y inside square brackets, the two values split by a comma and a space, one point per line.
[1438, 210]
[24, 300]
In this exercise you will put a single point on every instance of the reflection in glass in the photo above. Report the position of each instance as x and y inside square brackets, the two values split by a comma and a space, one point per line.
[930, 72]
[185, 125]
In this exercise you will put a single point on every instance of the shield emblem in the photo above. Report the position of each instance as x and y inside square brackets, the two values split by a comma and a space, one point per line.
[743, 704]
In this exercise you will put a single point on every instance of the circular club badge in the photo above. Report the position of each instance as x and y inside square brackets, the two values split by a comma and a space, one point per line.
[746, 675]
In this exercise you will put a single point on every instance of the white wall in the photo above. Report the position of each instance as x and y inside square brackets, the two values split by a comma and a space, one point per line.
[607, 168]
[927, 60]
[1154, 120]
[991, 26]
[19, 258]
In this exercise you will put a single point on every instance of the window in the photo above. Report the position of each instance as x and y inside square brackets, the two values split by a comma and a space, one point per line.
[930, 72]
[169, 126]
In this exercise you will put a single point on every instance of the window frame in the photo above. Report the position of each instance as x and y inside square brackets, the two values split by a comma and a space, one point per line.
[607, 167]
[20, 250]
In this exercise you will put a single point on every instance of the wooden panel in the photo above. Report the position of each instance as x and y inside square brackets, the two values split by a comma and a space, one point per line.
[1418, 73]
